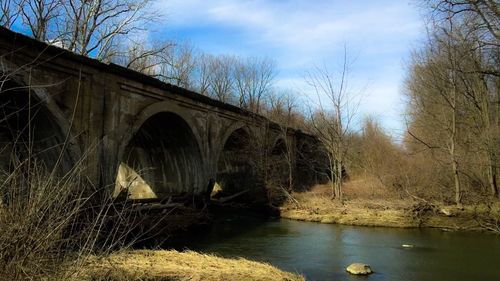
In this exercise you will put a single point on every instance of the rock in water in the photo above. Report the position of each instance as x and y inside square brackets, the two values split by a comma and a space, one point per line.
[359, 269]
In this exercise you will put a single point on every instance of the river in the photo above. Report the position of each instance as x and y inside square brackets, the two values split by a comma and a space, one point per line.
[323, 251]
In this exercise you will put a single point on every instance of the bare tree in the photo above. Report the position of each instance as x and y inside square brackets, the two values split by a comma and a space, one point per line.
[482, 18]
[454, 93]
[217, 76]
[92, 28]
[143, 57]
[487, 11]
[253, 80]
[9, 12]
[203, 74]
[451, 98]
[333, 121]
[377, 152]
[87, 27]
[480, 92]
[39, 15]
[178, 66]
[221, 78]
[435, 87]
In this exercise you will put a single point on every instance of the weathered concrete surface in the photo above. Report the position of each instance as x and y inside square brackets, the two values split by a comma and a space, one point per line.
[168, 140]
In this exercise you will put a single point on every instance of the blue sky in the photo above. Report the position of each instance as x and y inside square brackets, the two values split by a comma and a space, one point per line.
[299, 34]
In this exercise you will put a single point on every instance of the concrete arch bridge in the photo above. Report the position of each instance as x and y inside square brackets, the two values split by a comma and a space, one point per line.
[133, 132]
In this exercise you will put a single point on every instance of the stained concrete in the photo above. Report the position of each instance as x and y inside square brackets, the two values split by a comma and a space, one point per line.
[129, 130]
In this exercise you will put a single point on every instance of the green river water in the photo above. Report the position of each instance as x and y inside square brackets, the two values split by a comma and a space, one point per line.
[323, 251]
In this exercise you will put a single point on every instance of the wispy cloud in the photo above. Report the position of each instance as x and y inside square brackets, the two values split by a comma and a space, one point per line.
[301, 33]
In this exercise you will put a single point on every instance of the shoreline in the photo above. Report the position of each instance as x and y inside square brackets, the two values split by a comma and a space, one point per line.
[312, 206]
[388, 218]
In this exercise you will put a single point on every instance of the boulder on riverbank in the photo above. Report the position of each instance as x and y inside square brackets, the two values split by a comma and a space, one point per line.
[359, 269]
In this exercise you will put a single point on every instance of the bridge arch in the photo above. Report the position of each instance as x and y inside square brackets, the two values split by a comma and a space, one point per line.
[279, 162]
[240, 168]
[160, 156]
[311, 163]
[229, 132]
[235, 167]
[32, 125]
[279, 145]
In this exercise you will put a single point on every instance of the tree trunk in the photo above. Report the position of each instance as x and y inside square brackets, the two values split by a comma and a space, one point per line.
[332, 178]
[458, 199]
[458, 196]
[339, 181]
[492, 175]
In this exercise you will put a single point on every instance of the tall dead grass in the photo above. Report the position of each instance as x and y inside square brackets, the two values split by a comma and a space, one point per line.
[49, 223]
[172, 265]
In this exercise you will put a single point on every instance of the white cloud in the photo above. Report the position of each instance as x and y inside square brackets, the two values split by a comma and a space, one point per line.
[297, 24]
[300, 33]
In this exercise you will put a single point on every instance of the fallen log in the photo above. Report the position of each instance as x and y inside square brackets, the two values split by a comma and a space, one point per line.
[223, 200]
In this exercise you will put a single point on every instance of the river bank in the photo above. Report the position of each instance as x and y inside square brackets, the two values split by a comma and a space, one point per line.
[173, 265]
[316, 206]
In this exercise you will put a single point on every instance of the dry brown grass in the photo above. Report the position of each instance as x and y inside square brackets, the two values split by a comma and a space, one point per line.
[318, 206]
[37, 218]
[371, 204]
[369, 187]
[174, 265]
[49, 221]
